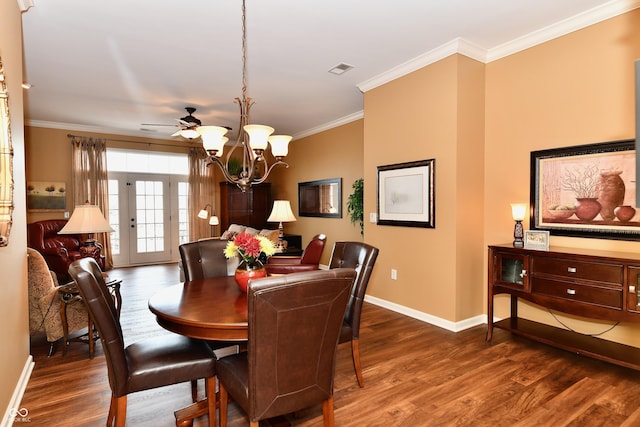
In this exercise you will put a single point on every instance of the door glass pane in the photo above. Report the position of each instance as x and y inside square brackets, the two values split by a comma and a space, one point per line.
[150, 216]
[183, 212]
[114, 215]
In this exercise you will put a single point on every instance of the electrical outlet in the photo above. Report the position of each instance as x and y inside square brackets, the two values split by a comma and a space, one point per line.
[373, 217]
[394, 274]
[66, 215]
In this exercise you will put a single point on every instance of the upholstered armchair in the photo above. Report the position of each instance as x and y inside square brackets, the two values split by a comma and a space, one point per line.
[58, 250]
[309, 260]
[45, 298]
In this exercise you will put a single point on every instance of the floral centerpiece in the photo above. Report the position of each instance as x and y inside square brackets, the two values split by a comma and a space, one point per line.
[249, 248]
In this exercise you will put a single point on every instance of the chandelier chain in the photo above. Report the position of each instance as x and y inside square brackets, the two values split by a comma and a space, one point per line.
[244, 51]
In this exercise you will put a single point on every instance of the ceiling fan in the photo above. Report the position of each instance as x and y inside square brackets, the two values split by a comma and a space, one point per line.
[187, 125]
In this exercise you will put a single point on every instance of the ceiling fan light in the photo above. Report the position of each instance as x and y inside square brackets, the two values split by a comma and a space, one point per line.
[258, 136]
[279, 145]
[213, 138]
[189, 133]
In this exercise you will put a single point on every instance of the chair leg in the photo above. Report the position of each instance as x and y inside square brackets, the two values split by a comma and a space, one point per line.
[121, 410]
[224, 401]
[210, 383]
[52, 348]
[355, 354]
[112, 411]
[194, 391]
[327, 412]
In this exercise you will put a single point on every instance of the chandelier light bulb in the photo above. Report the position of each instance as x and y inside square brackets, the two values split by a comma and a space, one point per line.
[258, 136]
[279, 145]
[213, 138]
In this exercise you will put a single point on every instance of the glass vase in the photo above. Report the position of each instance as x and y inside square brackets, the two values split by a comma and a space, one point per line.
[248, 270]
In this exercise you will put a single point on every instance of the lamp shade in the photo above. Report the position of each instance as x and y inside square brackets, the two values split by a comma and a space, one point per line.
[213, 138]
[281, 212]
[258, 136]
[203, 214]
[189, 133]
[214, 220]
[279, 145]
[86, 219]
[518, 211]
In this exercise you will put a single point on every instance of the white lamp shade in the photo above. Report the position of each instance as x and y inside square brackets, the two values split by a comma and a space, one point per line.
[518, 211]
[203, 214]
[279, 145]
[189, 133]
[213, 138]
[281, 212]
[86, 219]
[214, 220]
[258, 136]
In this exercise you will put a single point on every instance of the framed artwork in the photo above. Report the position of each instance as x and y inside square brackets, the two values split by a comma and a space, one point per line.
[586, 191]
[406, 194]
[321, 198]
[46, 196]
[536, 239]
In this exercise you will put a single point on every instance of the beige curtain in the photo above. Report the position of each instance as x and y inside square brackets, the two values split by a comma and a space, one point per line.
[202, 191]
[89, 180]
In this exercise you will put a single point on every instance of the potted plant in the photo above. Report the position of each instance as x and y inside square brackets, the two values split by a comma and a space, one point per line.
[355, 204]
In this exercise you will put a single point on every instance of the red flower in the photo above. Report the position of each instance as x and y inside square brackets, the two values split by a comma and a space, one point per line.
[247, 244]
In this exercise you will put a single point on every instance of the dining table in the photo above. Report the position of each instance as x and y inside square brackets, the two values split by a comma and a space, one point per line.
[210, 309]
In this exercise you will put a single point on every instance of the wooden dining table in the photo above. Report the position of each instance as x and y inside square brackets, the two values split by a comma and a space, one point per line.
[211, 309]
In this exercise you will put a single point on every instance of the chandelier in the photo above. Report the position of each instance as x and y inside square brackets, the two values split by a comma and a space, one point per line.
[252, 139]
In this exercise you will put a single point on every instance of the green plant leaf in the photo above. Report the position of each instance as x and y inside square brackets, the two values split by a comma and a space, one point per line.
[355, 204]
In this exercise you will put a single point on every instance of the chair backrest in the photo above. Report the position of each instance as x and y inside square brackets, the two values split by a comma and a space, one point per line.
[204, 258]
[294, 326]
[313, 251]
[361, 257]
[88, 277]
[44, 235]
[40, 282]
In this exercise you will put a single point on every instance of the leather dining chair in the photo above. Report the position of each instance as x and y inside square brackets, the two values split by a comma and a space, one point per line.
[146, 364]
[361, 257]
[309, 260]
[294, 324]
[204, 258]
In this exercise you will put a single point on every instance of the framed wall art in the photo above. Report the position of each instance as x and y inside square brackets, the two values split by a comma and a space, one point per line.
[536, 239]
[406, 194]
[321, 198]
[586, 191]
[46, 196]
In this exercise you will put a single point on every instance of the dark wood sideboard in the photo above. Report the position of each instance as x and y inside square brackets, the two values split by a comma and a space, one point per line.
[589, 283]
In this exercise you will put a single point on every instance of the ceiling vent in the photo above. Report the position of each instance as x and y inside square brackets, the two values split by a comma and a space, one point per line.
[340, 69]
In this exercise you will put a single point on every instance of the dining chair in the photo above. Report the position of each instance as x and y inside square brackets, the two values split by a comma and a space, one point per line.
[294, 325]
[202, 259]
[309, 260]
[145, 364]
[361, 257]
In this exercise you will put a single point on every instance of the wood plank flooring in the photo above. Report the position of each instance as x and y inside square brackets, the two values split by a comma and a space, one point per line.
[415, 375]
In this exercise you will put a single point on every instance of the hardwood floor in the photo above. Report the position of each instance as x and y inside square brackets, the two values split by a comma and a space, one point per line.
[415, 375]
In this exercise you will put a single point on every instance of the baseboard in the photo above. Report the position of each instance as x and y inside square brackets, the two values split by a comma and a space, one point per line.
[428, 318]
[14, 410]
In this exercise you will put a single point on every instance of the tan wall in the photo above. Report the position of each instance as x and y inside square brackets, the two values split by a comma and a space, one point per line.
[435, 112]
[14, 315]
[574, 90]
[336, 153]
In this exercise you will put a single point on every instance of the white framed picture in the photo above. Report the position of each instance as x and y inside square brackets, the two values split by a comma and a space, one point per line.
[536, 239]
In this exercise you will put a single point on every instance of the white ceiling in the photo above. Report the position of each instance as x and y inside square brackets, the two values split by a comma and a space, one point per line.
[111, 65]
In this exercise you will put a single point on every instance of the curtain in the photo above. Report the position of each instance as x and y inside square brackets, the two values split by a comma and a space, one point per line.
[89, 181]
[202, 192]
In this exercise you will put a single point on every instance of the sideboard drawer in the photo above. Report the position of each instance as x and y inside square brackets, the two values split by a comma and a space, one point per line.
[593, 271]
[595, 295]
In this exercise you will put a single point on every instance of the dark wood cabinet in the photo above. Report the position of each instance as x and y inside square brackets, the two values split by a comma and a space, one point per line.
[251, 208]
[589, 283]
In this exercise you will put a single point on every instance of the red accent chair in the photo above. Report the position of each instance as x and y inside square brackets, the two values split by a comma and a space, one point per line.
[58, 250]
[309, 260]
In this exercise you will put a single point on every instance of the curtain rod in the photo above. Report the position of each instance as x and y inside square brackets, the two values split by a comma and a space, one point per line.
[176, 144]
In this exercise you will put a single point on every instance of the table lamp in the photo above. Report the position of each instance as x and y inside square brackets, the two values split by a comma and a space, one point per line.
[280, 213]
[87, 219]
[518, 211]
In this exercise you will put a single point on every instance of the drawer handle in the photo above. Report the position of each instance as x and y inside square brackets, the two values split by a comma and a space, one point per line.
[571, 291]
[632, 289]
[572, 269]
[523, 273]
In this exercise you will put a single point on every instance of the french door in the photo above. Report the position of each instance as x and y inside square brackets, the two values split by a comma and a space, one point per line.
[144, 209]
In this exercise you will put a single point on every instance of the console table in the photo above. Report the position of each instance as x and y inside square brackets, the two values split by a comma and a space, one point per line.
[589, 283]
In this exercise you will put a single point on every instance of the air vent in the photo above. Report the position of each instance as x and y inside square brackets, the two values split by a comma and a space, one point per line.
[340, 69]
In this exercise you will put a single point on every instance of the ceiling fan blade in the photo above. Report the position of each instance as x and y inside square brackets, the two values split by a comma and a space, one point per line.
[177, 133]
[155, 124]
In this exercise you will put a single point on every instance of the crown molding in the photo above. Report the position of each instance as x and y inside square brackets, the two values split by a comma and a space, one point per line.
[25, 5]
[330, 125]
[96, 129]
[465, 47]
[458, 45]
[582, 20]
